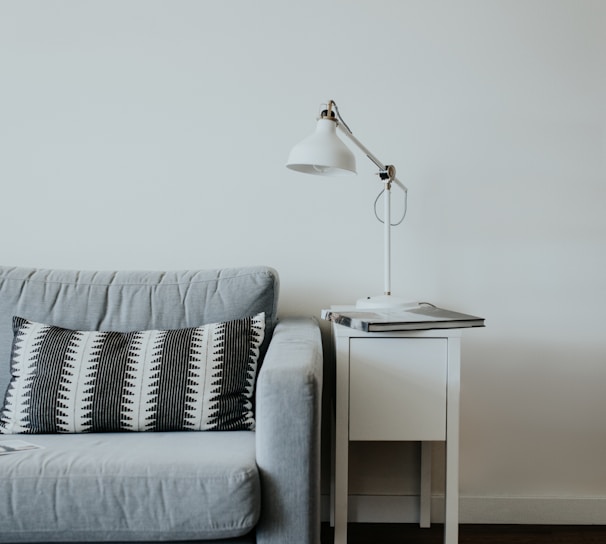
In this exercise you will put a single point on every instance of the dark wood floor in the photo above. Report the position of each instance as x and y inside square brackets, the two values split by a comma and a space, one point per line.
[387, 533]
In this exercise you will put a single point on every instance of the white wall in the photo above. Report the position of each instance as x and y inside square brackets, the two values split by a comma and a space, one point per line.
[153, 134]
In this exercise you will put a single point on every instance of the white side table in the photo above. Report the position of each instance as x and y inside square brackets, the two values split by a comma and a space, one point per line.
[398, 386]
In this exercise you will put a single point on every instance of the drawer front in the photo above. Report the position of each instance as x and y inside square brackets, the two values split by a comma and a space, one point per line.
[397, 388]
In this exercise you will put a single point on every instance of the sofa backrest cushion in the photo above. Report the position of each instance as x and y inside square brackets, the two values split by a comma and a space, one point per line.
[128, 301]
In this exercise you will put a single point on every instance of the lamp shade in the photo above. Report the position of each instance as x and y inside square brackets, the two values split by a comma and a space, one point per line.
[322, 153]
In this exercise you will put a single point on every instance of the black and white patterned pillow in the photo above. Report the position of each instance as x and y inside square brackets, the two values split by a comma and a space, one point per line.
[66, 381]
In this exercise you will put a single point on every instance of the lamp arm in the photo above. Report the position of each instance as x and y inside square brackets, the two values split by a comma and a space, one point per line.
[389, 170]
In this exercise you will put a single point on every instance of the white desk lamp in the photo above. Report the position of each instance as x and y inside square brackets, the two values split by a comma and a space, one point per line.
[324, 154]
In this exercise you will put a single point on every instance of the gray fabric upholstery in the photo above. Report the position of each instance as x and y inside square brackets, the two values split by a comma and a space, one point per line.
[160, 486]
[288, 448]
[144, 486]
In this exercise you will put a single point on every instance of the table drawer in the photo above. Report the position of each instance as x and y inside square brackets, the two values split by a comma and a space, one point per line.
[398, 388]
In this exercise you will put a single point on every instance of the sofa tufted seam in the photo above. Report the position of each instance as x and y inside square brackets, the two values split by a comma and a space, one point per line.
[136, 284]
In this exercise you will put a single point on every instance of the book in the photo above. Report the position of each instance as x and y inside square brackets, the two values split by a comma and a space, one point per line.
[423, 317]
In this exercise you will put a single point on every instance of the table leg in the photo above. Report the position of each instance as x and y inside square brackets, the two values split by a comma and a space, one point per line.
[425, 491]
[341, 446]
[451, 514]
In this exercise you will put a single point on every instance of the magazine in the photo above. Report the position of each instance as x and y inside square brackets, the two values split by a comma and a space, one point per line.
[16, 446]
[425, 316]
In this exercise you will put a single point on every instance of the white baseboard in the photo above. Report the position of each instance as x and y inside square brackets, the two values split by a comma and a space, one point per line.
[489, 510]
[530, 510]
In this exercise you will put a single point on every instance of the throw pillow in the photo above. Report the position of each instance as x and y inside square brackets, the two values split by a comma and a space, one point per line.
[67, 381]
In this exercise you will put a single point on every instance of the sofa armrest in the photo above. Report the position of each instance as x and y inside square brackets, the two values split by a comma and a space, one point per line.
[288, 414]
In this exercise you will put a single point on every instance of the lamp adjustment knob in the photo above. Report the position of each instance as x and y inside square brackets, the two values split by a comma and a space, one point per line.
[389, 173]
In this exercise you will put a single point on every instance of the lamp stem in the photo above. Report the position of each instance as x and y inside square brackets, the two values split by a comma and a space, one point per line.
[387, 239]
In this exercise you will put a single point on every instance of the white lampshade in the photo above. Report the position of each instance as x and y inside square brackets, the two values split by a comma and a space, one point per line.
[322, 153]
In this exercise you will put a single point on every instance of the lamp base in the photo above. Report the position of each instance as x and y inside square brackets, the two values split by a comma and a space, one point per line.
[385, 302]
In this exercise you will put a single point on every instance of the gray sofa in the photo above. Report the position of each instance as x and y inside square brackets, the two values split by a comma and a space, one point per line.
[245, 485]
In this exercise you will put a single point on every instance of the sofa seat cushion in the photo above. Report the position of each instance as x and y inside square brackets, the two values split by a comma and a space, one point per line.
[130, 486]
